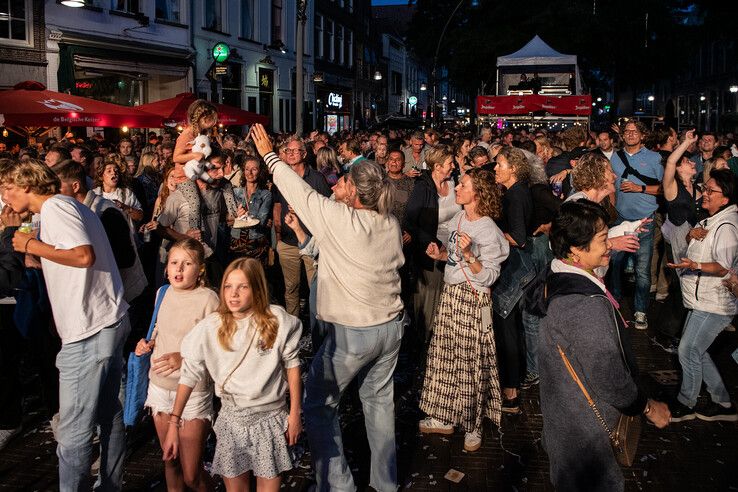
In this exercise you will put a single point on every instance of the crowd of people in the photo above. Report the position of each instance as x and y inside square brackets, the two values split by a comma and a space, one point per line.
[498, 259]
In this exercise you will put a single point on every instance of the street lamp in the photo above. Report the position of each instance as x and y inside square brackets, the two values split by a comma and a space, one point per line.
[423, 87]
[377, 75]
[651, 98]
[299, 67]
[434, 78]
[73, 3]
[733, 89]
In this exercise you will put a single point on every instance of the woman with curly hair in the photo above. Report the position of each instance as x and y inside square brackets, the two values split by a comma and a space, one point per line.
[461, 385]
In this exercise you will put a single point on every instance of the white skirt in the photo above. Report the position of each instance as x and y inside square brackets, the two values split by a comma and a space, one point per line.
[250, 441]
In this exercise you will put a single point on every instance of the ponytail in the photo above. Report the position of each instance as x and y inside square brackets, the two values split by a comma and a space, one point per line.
[373, 187]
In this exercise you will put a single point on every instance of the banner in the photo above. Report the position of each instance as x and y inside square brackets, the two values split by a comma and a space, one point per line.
[520, 105]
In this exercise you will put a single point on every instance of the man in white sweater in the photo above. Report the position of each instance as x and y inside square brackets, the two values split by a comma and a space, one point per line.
[360, 255]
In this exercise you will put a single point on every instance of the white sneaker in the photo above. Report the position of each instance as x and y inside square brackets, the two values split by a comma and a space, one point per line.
[641, 322]
[472, 441]
[6, 435]
[429, 425]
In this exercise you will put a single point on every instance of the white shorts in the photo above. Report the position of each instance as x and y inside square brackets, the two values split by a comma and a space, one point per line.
[199, 405]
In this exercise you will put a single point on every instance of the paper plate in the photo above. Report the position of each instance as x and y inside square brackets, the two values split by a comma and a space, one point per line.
[245, 221]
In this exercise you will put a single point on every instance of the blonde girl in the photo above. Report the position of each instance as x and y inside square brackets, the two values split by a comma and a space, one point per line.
[201, 117]
[250, 349]
[185, 303]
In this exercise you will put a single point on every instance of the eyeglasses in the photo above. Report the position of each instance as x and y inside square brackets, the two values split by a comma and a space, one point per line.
[709, 191]
[291, 151]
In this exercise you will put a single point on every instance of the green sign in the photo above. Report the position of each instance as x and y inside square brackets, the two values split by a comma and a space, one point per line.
[412, 100]
[221, 52]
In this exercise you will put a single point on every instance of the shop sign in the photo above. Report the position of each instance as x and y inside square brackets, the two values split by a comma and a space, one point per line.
[412, 100]
[83, 85]
[221, 52]
[266, 80]
[335, 100]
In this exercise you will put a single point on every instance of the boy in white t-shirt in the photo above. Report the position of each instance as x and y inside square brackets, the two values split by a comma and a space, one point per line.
[86, 296]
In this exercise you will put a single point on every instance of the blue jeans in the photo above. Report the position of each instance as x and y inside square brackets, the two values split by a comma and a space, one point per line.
[89, 380]
[541, 255]
[371, 355]
[319, 329]
[700, 330]
[642, 270]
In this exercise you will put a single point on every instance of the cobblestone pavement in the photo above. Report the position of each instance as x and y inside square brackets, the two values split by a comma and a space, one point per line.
[689, 456]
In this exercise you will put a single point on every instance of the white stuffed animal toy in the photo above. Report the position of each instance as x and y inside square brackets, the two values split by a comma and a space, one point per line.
[195, 169]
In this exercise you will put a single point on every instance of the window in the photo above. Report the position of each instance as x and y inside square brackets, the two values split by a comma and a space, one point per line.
[350, 5]
[276, 20]
[349, 48]
[130, 6]
[168, 10]
[396, 83]
[213, 14]
[339, 44]
[247, 19]
[318, 36]
[13, 21]
[329, 44]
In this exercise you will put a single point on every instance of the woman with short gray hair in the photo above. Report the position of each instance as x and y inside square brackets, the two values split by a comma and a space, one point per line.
[359, 292]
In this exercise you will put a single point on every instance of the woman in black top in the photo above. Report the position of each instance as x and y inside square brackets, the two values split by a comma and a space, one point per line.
[512, 171]
[679, 191]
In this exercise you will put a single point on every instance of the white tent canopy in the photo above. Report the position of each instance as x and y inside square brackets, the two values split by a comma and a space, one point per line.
[536, 54]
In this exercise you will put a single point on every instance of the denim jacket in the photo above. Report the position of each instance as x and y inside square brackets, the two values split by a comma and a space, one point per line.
[259, 206]
[517, 272]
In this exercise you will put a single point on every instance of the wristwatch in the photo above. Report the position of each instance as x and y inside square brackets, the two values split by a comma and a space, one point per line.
[471, 260]
[643, 188]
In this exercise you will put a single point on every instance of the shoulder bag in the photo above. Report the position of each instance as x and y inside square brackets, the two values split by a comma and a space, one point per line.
[647, 180]
[137, 380]
[624, 438]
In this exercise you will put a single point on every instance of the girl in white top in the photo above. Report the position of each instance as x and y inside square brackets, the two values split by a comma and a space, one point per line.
[185, 303]
[250, 350]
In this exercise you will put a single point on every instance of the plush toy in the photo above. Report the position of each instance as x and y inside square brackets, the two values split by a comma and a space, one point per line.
[195, 169]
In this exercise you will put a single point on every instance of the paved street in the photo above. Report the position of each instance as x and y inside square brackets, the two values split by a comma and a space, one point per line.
[690, 456]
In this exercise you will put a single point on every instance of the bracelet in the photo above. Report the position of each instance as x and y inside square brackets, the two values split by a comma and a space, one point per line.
[176, 423]
[25, 246]
[175, 415]
[643, 188]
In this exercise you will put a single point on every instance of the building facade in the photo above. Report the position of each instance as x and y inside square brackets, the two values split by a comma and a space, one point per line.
[22, 43]
[126, 52]
[261, 74]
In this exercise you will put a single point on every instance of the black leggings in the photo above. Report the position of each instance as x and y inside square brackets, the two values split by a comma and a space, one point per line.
[510, 348]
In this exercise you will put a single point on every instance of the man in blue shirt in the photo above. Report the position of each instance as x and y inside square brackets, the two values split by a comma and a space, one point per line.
[706, 147]
[638, 174]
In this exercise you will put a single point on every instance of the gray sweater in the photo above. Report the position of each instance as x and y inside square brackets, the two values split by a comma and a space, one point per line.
[583, 323]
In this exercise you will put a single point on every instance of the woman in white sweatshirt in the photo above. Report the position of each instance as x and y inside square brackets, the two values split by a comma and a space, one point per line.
[360, 246]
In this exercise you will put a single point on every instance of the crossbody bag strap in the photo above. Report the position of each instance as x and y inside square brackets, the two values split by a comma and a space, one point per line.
[590, 402]
[458, 252]
[629, 170]
[157, 305]
[243, 357]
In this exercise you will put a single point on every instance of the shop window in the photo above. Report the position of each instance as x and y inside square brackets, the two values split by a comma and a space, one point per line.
[14, 21]
[349, 48]
[130, 6]
[247, 19]
[169, 10]
[276, 20]
[213, 15]
[330, 46]
[339, 45]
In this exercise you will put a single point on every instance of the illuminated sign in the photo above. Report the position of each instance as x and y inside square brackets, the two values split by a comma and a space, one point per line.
[83, 85]
[412, 100]
[221, 52]
[335, 100]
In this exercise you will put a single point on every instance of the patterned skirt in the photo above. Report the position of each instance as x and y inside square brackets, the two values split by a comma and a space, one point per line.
[461, 384]
[248, 441]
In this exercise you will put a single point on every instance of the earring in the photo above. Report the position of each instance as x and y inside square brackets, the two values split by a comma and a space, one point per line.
[575, 258]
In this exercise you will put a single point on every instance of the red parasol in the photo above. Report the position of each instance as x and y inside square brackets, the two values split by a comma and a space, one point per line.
[173, 111]
[30, 104]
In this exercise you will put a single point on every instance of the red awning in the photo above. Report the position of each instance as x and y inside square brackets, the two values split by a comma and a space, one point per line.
[517, 105]
[173, 111]
[31, 104]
